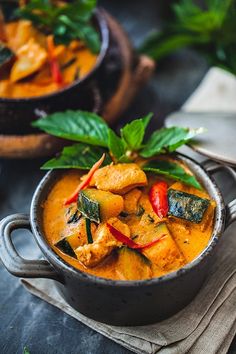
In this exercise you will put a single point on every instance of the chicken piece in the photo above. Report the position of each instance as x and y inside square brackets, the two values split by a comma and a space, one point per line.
[20, 32]
[120, 178]
[31, 57]
[92, 254]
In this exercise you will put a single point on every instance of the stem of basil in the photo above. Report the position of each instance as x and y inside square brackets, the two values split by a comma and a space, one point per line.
[88, 231]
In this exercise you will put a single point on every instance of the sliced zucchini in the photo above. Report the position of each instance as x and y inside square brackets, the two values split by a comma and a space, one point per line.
[68, 244]
[98, 205]
[6, 54]
[187, 206]
[133, 265]
[74, 217]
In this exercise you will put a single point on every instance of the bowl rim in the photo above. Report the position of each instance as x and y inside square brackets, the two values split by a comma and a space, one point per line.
[53, 257]
[103, 28]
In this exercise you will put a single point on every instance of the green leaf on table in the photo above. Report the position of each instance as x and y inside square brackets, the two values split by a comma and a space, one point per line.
[79, 126]
[133, 133]
[79, 156]
[171, 170]
[26, 350]
[168, 140]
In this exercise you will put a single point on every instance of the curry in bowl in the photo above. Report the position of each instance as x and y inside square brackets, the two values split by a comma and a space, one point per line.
[126, 224]
[42, 52]
[138, 213]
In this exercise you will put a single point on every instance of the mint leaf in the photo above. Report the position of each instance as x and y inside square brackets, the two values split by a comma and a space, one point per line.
[26, 350]
[116, 145]
[80, 156]
[168, 140]
[171, 170]
[133, 133]
[79, 126]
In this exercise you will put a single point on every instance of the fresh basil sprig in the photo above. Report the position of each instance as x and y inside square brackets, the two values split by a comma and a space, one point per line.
[171, 170]
[207, 26]
[167, 140]
[66, 21]
[96, 137]
[79, 156]
[80, 126]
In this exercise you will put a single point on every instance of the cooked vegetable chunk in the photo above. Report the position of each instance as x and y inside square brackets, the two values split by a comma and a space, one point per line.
[31, 58]
[5, 54]
[99, 205]
[133, 265]
[131, 201]
[119, 178]
[67, 245]
[165, 254]
[92, 254]
[187, 206]
[73, 215]
[76, 238]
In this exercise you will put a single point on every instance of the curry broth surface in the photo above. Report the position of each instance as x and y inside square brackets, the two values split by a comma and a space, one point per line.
[191, 238]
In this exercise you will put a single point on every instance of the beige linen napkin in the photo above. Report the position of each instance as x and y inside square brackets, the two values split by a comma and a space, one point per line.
[208, 324]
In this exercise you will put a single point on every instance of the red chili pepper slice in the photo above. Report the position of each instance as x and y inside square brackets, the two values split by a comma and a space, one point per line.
[129, 242]
[158, 198]
[54, 65]
[86, 181]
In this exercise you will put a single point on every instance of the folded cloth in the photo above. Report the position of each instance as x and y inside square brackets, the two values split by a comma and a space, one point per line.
[207, 324]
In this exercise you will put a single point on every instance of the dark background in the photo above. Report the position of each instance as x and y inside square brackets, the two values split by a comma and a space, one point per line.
[24, 319]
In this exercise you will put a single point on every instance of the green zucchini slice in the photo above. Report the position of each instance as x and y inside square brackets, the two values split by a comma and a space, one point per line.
[89, 207]
[6, 54]
[187, 206]
[98, 206]
[133, 265]
[68, 244]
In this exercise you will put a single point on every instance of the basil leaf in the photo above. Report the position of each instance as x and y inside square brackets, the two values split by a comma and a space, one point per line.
[198, 25]
[133, 133]
[79, 156]
[116, 145]
[79, 126]
[168, 140]
[26, 350]
[171, 170]
[89, 35]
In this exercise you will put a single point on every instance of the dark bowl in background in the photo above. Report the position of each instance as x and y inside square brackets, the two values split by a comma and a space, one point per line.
[90, 93]
[116, 302]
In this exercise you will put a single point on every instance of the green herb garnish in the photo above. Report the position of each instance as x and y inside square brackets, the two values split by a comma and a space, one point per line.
[209, 28]
[26, 350]
[79, 156]
[66, 21]
[88, 230]
[96, 138]
[171, 170]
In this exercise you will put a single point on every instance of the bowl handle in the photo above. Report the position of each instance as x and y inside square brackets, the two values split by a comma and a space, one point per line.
[213, 167]
[13, 262]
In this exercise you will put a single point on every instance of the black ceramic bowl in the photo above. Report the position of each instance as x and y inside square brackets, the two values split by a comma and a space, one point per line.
[90, 93]
[109, 301]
